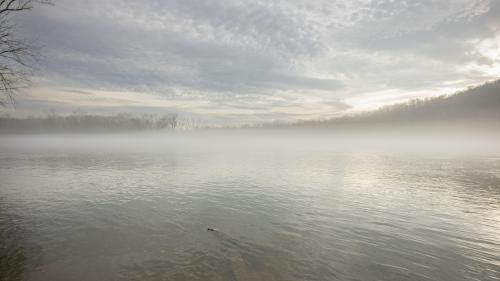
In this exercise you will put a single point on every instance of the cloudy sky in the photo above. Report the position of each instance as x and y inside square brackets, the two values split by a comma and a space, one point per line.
[246, 61]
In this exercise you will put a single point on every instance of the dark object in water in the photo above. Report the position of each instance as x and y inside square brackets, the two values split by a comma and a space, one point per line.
[237, 257]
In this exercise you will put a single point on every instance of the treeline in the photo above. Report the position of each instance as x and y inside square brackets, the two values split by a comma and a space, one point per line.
[479, 103]
[82, 122]
[475, 105]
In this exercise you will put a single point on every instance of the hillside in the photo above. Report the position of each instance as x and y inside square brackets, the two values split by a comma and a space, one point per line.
[475, 103]
[479, 104]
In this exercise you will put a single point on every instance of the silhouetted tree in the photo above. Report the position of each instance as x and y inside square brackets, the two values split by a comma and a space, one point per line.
[80, 121]
[16, 54]
[168, 121]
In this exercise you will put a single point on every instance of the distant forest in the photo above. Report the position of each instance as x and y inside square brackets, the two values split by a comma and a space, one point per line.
[479, 105]
[83, 122]
[475, 105]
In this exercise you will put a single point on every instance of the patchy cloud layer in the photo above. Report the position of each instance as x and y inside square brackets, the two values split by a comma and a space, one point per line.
[247, 61]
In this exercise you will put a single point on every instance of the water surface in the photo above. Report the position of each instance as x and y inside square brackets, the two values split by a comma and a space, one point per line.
[283, 212]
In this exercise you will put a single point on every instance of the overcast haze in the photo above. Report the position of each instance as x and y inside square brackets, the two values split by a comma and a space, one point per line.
[252, 61]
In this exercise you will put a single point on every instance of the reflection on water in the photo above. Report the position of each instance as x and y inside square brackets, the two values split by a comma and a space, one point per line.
[14, 249]
[12, 254]
[281, 214]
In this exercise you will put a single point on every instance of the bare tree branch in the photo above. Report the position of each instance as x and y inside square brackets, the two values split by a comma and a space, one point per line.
[17, 55]
[15, 5]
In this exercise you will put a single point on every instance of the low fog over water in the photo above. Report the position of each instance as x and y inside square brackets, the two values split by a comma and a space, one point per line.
[379, 140]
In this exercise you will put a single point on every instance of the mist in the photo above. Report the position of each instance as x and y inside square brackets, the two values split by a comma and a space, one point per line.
[226, 141]
[464, 122]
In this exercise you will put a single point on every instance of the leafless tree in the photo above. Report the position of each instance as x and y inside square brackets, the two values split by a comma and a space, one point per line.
[17, 55]
[168, 121]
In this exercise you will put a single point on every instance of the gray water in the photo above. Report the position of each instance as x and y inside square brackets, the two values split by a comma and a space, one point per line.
[140, 211]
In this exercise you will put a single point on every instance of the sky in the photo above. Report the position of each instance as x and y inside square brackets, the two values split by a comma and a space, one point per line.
[242, 61]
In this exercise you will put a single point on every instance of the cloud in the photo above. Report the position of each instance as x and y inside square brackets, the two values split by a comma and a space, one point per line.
[240, 58]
